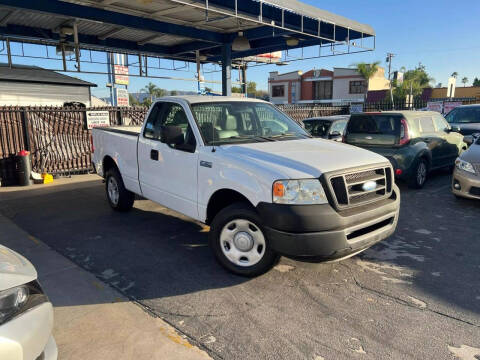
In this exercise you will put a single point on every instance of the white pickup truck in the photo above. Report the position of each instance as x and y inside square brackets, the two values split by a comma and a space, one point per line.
[265, 187]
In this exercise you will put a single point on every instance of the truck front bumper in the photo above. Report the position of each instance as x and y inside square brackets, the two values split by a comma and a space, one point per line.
[319, 231]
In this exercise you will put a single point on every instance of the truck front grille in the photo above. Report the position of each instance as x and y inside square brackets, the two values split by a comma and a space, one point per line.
[352, 189]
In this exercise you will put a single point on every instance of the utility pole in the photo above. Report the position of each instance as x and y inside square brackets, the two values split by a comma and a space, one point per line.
[389, 61]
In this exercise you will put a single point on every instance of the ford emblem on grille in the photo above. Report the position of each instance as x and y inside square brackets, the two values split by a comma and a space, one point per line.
[369, 186]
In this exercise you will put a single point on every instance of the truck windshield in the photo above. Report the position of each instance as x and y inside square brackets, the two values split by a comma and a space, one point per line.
[242, 121]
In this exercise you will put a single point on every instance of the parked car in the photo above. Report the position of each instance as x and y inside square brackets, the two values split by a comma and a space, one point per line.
[415, 142]
[466, 117]
[263, 192]
[327, 127]
[466, 176]
[26, 314]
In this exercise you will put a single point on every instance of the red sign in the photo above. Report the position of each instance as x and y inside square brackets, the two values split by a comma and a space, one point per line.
[450, 105]
[121, 74]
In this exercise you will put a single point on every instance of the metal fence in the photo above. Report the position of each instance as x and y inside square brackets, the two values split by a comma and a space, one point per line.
[299, 112]
[57, 137]
[59, 141]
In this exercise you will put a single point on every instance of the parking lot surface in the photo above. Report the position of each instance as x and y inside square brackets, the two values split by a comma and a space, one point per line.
[416, 295]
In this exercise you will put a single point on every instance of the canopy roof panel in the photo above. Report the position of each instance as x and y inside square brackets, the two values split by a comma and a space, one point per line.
[177, 28]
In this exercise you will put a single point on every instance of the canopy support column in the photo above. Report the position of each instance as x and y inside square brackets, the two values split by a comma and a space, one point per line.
[227, 70]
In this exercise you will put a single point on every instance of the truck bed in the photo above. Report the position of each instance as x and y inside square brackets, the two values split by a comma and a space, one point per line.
[121, 143]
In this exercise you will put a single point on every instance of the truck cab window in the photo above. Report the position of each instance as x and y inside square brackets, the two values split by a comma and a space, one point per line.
[175, 117]
[153, 122]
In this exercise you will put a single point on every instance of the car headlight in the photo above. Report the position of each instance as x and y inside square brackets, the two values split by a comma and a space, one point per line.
[464, 165]
[299, 192]
[19, 299]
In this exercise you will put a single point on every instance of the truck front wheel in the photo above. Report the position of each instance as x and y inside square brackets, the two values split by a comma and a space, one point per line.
[119, 198]
[239, 243]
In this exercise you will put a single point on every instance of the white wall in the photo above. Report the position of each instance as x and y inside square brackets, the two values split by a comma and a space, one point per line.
[279, 99]
[31, 94]
[341, 86]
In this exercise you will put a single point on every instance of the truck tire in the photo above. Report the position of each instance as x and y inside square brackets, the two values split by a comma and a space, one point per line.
[419, 174]
[239, 243]
[119, 198]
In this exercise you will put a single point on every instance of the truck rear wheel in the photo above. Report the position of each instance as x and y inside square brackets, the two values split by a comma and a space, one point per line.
[119, 198]
[239, 242]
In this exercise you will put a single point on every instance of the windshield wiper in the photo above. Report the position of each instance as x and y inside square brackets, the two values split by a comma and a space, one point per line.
[288, 134]
[253, 137]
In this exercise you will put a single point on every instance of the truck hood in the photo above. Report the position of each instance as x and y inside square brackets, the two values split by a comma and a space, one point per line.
[306, 157]
[15, 270]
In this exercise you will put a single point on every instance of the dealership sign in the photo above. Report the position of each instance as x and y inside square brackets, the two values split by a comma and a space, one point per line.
[121, 74]
[450, 105]
[98, 119]
[122, 97]
[435, 106]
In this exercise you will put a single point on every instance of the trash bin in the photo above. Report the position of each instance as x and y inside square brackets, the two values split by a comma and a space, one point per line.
[24, 168]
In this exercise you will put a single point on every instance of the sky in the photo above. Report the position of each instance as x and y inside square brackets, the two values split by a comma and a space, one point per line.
[441, 34]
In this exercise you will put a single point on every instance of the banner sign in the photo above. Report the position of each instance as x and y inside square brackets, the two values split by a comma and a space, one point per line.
[435, 106]
[356, 108]
[450, 105]
[121, 74]
[122, 97]
[98, 119]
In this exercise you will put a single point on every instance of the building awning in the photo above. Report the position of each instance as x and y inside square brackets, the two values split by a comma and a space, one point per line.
[176, 29]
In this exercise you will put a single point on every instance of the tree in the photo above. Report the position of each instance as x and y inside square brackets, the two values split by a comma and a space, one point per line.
[367, 71]
[153, 91]
[454, 74]
[476, 82]
[464, 81]
[414, 81]
[133, 100]
[174, 93]
[252, 87]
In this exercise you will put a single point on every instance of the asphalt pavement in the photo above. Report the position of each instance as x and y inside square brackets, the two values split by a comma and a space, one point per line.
[415, 295]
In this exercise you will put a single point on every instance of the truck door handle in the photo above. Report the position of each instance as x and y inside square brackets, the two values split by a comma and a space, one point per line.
[154, 154]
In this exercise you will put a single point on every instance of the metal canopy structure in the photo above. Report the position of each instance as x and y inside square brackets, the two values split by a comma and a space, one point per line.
[188, 30]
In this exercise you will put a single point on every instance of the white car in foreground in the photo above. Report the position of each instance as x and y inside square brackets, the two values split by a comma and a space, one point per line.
[26, 314]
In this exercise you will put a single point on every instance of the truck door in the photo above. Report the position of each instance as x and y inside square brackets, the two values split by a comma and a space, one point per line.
[167, 172]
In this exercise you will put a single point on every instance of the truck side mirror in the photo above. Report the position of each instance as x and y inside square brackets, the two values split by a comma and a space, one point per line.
[171, 135]
[334, 135]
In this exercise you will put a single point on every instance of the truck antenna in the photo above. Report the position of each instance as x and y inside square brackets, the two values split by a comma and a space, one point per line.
[213, 136]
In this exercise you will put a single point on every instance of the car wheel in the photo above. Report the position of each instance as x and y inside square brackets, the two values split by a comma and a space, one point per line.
[419, 174]
[119, 198]
[239, 242]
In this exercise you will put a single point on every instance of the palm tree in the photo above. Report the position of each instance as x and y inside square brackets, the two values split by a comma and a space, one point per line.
[454, 74]
[367, 71]
[465, 81]
[152, 90]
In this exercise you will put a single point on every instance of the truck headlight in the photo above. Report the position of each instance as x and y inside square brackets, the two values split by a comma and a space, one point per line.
[19, 299]
[299, 192]
[464, 165]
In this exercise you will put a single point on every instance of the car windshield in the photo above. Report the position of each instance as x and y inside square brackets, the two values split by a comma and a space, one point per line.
[373, 124]
[317, 127]
[464, 115]
[242, 121]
